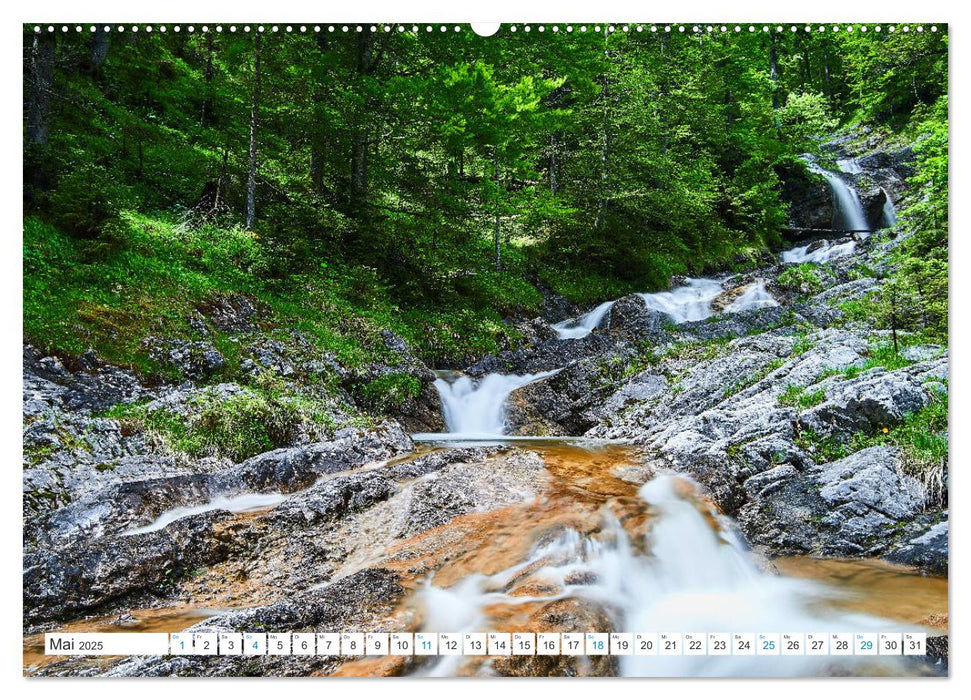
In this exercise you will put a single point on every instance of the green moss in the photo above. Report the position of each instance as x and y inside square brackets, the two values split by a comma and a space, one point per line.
[236, 426]
[389, 391]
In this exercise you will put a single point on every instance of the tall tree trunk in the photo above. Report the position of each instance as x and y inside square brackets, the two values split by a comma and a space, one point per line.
[554, 162]
[829, 88]
[253, 126]
[359, 141]
[41, 85]
[220, 182]
[317, 137]
[604, 156]
[359, 147]
[39, 88]
[99, 46]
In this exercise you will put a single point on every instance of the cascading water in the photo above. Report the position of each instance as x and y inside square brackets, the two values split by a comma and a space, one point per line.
[583, 325]
[234, 504]
[821, 252]
[848, 214]
[696, 576]
[476, 407]
[755, 297]
[693, 300]
[889, 211]
[690, 302]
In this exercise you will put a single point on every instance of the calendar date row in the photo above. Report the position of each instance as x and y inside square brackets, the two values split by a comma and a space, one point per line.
[350, 644]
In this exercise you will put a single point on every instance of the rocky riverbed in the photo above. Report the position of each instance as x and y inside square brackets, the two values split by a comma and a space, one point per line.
[752, 416]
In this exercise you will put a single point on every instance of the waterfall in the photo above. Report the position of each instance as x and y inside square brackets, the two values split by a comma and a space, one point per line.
[582, 325]
[477, 407]
[755, 297]
[692, 574]
[691, 302]
[824, 252]
[848, 212]
[889, 211]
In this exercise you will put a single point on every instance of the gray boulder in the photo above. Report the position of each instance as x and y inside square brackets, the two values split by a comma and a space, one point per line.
[868, 403]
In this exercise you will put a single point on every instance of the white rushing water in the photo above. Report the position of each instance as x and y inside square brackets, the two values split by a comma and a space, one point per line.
[690, 302]
[889, 211]
[234, 504]
[848, 211]
[755, 297]
[583, 325]
[475, 408]
[694, 578]
[825, 252]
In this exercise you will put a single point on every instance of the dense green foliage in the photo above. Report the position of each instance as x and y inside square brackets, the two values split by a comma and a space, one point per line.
[433, 183]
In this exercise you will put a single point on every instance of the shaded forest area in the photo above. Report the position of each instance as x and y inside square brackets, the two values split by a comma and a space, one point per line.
[433, 182]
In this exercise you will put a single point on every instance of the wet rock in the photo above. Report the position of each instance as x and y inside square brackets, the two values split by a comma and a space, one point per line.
[49, 386]
[873, 201]
[741, 323]
[928, 551]
[851, 507]
[291, 468]
[436, 461]
[561, 404]
[558, 308]
[116, 508]
[463, 488]
[151, 485]
[938, 652]
[543, 357]
[59, 583]
[629, 317]
[361, 602]
[811, 203]
[726, 298]
[335, 497]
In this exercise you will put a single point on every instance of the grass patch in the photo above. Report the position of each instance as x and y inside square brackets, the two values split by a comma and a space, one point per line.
[884, 355]
[801, 279]
[797, 396]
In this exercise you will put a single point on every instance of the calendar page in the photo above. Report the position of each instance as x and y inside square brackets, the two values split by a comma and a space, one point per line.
[527, 349]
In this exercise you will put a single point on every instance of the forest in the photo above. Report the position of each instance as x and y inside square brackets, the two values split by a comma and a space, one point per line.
[434, 182]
